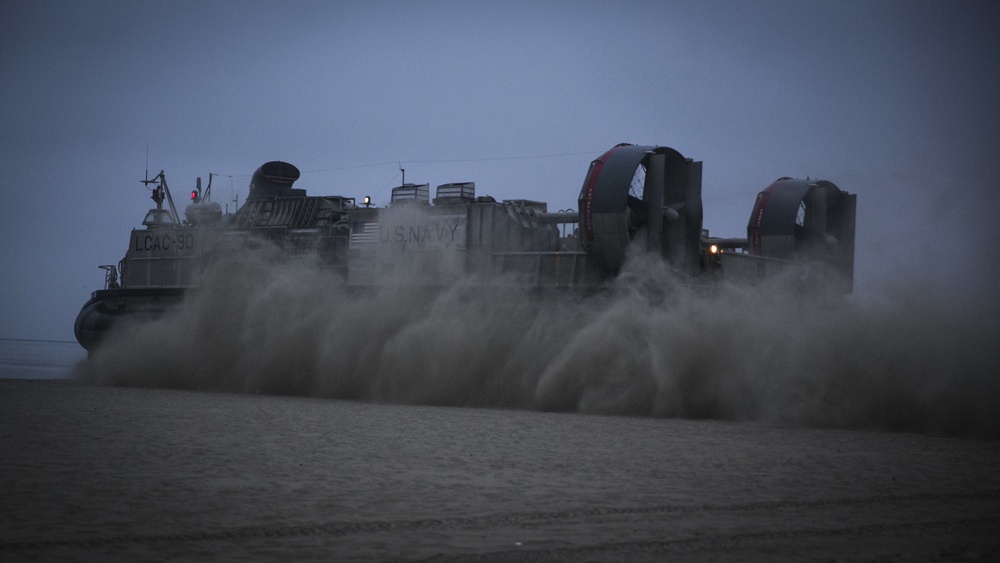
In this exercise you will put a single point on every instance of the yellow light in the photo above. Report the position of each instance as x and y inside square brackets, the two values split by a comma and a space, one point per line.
[714, 249]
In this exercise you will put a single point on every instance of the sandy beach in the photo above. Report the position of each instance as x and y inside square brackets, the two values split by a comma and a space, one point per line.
[109, 473]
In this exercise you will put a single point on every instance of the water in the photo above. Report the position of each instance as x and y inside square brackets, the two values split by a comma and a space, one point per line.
[38, 359]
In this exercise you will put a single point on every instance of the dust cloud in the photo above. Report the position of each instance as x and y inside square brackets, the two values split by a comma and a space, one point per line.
[259, 322]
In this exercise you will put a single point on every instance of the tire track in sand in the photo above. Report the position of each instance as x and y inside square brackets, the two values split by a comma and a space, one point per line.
[347, 528]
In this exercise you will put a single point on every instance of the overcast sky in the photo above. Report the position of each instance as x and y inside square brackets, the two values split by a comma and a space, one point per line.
[895, 101]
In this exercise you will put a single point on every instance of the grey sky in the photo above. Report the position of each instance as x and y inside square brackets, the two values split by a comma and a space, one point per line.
[895, 101]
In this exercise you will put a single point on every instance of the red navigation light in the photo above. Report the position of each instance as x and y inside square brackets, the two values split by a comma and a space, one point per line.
[194, 195]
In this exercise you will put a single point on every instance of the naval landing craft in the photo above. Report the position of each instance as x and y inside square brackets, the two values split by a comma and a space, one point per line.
[631, 195]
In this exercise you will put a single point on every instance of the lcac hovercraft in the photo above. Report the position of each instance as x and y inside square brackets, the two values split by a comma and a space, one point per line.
[631, 194]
